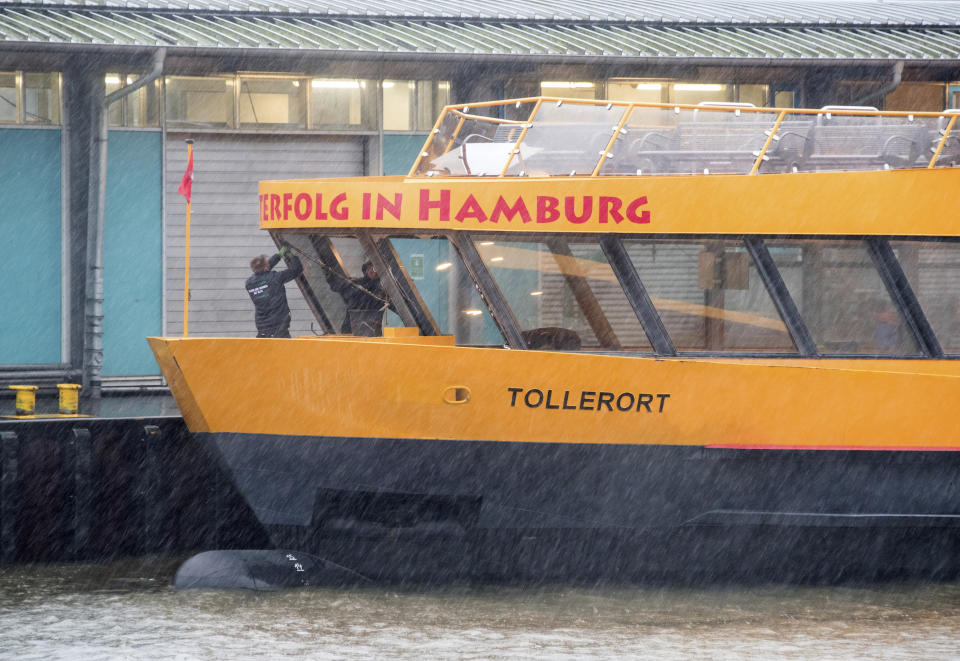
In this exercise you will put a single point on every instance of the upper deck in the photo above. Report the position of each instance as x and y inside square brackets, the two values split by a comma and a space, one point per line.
[565, 165]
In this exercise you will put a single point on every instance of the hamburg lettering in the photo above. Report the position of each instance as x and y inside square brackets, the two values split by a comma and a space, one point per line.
[588, 400]
[439, 205]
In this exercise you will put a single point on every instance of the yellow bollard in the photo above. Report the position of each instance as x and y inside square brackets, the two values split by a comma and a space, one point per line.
[69, 398]
[26, 399]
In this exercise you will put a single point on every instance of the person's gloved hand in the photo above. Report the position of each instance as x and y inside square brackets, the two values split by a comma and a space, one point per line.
[284, 251]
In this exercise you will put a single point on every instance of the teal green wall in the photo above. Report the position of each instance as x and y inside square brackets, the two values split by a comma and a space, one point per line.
[400, 151]
[133, 250]
[30, 231]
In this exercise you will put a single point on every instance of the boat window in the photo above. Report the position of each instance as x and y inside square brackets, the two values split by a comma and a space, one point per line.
[840, 295]
[563, 294]
[933, 270]
[447, 291]
[332, 271]
[710, 296]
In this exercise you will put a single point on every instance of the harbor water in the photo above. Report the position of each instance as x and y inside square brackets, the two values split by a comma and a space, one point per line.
[127, 610]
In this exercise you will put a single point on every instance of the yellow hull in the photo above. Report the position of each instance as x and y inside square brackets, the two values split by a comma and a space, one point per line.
[426, 388]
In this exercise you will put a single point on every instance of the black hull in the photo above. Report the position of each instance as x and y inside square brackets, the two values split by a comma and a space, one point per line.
[427, 511]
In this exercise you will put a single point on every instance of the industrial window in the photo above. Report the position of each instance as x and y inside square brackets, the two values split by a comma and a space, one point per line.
[665, 91]
[278, 103]
[199, 102]
[569, 89]
[140, 108]
[29, 98]
[413, 105]
[343, 103]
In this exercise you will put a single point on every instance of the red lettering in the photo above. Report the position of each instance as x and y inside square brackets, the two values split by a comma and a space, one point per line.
[287, 205]
[610, 208]
[569, 207]
[442, 205]
[338, 211]
[321, 214]
[644, 216]
[471, 209]
[547, 209]
[274, 206]
[365, 206]
[501, 208]
[302, 211]
[383, 204]
[263, 208]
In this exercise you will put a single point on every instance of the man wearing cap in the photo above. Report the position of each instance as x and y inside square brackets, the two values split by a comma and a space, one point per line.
[269, 296]
[360, 294]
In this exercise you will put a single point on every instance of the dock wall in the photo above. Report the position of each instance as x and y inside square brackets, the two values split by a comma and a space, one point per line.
[91, 489]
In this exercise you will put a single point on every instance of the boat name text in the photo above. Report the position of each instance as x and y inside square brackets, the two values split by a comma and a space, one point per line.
[587, 400]
[439, 206]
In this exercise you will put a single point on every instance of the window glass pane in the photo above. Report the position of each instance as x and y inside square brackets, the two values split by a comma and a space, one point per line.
[333, 270]
[709, 296]
[8, 97]
[564, 295]
[916, 97]
[933, 270]
[342, 103]
[447, 291]
[640, 91]
[568, 89]
[432, 96]
[112, 82]
[755, 94]
[272, 103]
[785, 99]
[199, 102]
[569, 138]
[142, 107]
[41, 98]
[694, 93]
[841, 297]
[398, 97]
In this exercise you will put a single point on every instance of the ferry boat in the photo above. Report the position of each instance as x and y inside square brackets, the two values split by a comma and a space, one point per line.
[615, 342]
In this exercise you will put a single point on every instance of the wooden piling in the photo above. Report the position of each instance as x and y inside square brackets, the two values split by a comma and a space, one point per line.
[9, 496]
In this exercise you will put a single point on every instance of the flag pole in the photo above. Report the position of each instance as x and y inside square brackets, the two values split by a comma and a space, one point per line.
[187, 183]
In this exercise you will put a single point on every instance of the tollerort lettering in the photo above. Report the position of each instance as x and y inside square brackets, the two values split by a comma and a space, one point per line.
[590, 400]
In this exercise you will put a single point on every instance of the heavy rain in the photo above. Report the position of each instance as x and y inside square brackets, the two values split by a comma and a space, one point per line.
[475, 330]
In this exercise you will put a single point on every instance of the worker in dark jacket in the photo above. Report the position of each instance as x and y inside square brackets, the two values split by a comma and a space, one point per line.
[269, 296]
[361, 295]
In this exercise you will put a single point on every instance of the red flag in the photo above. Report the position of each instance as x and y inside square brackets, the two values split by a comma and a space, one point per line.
[186, 184]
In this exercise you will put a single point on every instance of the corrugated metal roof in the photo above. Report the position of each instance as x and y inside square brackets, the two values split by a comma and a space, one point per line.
[573, 29]
[813, 12]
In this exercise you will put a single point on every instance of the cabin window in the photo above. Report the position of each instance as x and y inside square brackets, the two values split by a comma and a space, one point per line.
[138, 108]
[841, 297]
[199, 102]
[332, 270]
[447, 291]
[564, 294]
[278, 103]
[933, 270]
[710, 296]
[8, 97]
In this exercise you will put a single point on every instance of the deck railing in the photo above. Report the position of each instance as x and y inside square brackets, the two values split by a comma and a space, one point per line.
[547, 136]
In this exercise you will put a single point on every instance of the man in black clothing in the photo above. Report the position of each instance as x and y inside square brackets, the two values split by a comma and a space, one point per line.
[269, 296]
[361, 295]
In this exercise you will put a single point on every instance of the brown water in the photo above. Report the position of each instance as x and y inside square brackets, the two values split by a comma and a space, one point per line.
[127, 610]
